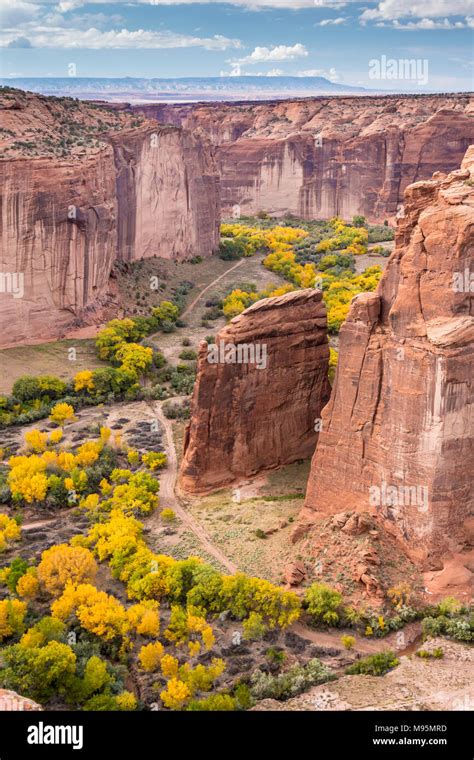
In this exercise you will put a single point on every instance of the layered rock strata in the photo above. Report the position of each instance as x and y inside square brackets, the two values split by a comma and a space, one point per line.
[258, 392]
[81, 187]
[326, 156]
[397, 436]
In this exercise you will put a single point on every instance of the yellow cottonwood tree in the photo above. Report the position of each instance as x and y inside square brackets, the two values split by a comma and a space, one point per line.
[63, 564]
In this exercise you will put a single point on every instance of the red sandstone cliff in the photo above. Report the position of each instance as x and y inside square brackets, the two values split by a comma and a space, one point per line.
[82, 186]
[326, 156]
[398, 433]
[248, 417]
[167, 194]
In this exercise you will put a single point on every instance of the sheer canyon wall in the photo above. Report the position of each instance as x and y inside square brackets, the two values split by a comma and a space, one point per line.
[83, 186]
[326, 156]
[397, 436]
[258, 392]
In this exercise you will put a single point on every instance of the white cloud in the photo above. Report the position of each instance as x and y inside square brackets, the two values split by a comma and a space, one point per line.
[330, 74]
[426, 23]
[276, 53]
[14, 12]
[389, 10]
[67, 5]
[237, 72]
[331, 3]
[95, 39]
[332, 21]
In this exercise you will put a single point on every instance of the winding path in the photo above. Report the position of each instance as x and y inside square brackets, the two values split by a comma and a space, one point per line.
[168, 497]
[208, 287]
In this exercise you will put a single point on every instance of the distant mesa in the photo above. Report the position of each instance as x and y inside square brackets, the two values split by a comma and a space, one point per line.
[183, 88]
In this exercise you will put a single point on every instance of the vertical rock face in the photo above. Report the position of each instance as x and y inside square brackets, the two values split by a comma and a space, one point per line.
[327, 156]
[398, 433]
[58, 234]
[258, 392]
[167, 194]
[81, 187]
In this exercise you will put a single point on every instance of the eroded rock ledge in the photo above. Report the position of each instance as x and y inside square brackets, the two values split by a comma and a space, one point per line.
[246, 418]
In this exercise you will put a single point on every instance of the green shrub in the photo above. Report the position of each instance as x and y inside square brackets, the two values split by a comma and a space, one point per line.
[18, 568]
[26, 388]
[374, 665]
[57, 492]
[52, 387]
[348, 641]
[427, 654]
[214, 703]
[175, 410]
[323, 604]
[188, 354]
[276, 655]
[230, 249]
[167, 312]
[38, 672]
[254, 627]
[243, 696]
[294, 681]
[183, 384]
[449, 606]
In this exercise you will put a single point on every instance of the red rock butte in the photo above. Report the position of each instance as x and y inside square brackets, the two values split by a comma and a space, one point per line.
[250, 416]
[397, 434]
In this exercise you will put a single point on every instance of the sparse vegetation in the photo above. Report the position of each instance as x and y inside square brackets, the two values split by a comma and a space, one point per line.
[290, 683]
[374, 665]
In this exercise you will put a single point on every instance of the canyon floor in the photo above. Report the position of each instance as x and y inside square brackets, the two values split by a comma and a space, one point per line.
[247, 527]
[221, 529]
[130, 293]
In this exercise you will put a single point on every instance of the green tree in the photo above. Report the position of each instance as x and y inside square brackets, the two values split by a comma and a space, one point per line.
[166, 312]
[38, 672]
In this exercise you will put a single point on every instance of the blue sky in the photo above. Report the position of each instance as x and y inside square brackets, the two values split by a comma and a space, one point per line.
[175, 38]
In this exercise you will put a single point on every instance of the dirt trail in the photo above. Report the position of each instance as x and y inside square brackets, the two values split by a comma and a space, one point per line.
[168, 496]
[193, 303]
[365, 646]
[38, 523]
